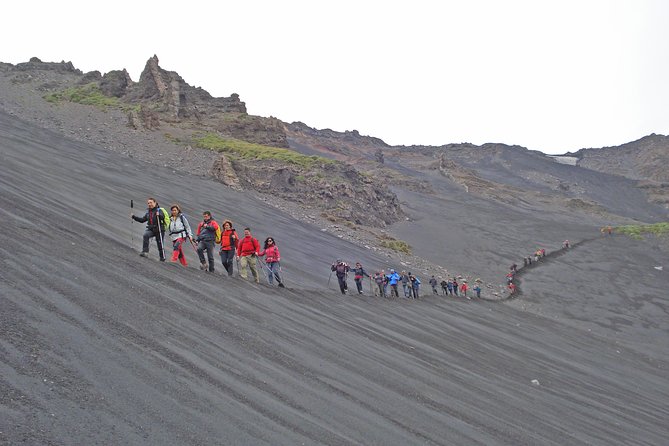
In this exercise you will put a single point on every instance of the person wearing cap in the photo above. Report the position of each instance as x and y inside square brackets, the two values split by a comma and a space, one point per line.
[341, 269]
[393, 280]
[406, 284]
[359, 274]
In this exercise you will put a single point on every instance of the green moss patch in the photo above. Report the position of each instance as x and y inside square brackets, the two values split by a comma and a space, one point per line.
[89, 94]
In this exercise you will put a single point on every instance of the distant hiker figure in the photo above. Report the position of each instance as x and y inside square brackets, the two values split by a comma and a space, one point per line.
[379, 278]
[512, 289]
[525, 261]
[415, 285]
[359, 274]
[565, 244]
[433, 283]
[406, 284]
[444, 287]
[247, 253]
[463, 288]
[179, 231]
[341, 270]
[229, 244]
[477, 290]
[156, 222]
[208, 234]
[393, 279]
[456, 285]
[272, 260]
[449, 286]
[514, 268]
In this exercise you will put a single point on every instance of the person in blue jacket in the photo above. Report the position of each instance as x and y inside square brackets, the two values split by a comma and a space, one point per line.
[393, 280]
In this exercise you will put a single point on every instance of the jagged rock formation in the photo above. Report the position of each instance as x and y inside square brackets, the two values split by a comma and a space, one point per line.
[341, 145]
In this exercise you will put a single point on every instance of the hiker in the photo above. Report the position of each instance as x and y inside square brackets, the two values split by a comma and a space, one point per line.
[179, 231]
[449, 285]
[456, 285]
[229, 243]
[272, 260]
[156, 221]
[341, 270]
[393, 279]
[433, 283]
[512, 289]
[379, 278]
[406, 283]
[247, 251]
[359, 274]
[444, 287]
[514, 267]
[415, 285]
[524, 261]
[208, 234]
[463, 288]
[509, 278]
[477, 290]
[565, 244]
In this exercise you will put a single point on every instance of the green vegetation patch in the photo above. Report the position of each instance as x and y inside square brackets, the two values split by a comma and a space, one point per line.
[89, 94]
[395, 245]
[637, 231]
[247, 150]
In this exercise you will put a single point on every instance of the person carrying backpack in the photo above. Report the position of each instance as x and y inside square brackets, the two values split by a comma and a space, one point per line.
[157, 222]
[433, 283]
[247, 251]
[477, 290]
[229, 243]
[359, 274]
[179, 230]
[463, 288]
[272, 259]
[208, 234]
[341, 270]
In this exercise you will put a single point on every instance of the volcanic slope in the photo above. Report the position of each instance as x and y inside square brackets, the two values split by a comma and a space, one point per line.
[100, 346]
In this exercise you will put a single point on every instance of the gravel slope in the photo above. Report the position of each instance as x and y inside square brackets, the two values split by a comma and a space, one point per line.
[100, 346]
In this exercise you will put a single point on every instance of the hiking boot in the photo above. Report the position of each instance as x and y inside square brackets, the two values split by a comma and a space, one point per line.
[143, 254]
[203, 266]
[281, 285]
[162, 259]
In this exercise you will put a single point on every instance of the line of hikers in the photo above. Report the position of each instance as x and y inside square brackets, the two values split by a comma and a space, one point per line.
[410, 283]
[246, 251]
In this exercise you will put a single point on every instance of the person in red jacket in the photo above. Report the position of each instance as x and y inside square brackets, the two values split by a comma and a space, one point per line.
[463, 288]
[272, 259]
[246, 255]
[229, 244]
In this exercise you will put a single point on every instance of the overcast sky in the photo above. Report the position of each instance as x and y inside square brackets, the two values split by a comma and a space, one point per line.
[554, 76]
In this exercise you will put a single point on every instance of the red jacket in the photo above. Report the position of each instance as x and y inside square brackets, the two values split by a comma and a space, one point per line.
[225, 240]
[272, 254]
[247, 246]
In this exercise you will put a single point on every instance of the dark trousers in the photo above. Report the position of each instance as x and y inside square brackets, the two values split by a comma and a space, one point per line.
[148, 235]
[358, 284]
[342, 284]
[393, 290]
[227, 259]
[206, 245]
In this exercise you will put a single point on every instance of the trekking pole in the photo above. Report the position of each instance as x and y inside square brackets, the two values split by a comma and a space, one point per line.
[160, 231]
[132, 232]
[264, 267]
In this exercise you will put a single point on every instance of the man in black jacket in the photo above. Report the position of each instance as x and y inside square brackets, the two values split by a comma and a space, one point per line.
[155, 222]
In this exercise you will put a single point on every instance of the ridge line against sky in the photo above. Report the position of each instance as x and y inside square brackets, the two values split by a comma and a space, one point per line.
[549, 76]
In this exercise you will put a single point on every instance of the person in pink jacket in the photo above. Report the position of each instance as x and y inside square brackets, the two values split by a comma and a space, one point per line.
[272, 259]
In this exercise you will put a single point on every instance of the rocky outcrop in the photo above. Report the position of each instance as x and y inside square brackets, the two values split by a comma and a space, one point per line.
[115, 83]
[175, 98]
[340, 145]
[255, 129]
[223, 172]
[34, 64]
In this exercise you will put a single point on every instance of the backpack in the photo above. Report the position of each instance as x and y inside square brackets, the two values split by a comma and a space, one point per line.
[166, 220]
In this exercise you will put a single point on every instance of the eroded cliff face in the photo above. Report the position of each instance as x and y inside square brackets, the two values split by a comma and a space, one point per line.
[336, 190]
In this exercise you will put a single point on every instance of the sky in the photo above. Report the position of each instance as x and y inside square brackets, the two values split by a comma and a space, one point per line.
[553, 76]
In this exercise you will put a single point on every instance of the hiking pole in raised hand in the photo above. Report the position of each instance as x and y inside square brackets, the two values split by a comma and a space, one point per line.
[159, 212]
[132, 220]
